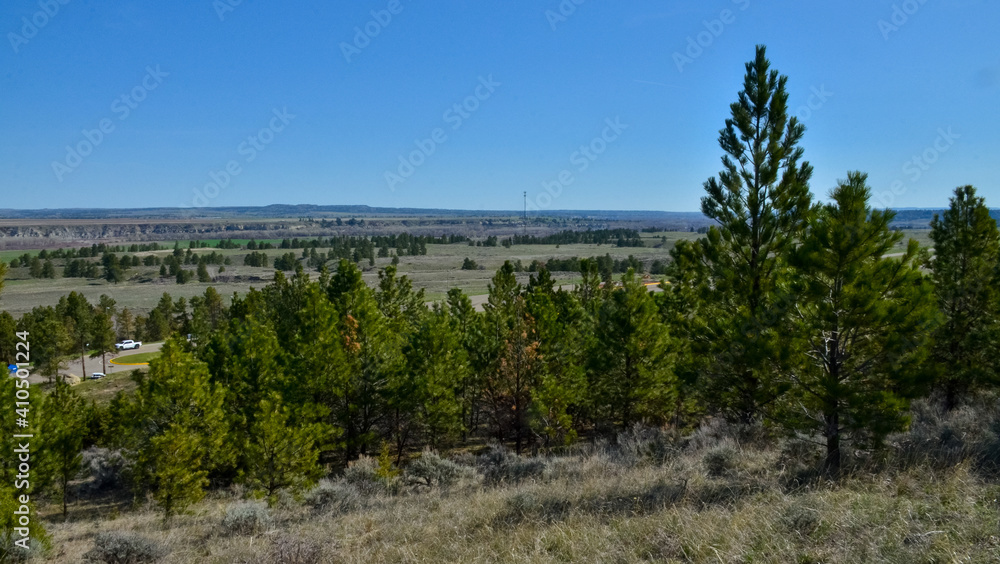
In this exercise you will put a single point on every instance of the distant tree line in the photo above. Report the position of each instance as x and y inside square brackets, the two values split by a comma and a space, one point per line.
[606, 265]
[616, 237]
[115, 268]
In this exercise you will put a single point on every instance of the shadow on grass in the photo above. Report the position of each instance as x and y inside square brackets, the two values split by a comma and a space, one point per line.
[90, 506]
[550, 508]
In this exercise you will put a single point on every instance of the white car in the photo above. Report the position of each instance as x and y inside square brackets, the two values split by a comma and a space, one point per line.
[128, 345]
[97, 376]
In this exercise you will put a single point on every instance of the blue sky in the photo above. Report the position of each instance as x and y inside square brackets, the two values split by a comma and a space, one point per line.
[301, 109]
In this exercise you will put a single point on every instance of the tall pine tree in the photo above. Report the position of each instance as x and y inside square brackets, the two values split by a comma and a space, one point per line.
[178, 429]
[281, 455]
[61, 436]
[514, 366]
[561, 323]
[631, 376]
[964, 269]
[862, 319]
[759, 202]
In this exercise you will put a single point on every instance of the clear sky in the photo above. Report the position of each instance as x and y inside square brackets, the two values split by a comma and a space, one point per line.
[355, 102]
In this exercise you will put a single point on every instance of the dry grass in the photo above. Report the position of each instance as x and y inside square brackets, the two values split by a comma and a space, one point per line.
[639, 503]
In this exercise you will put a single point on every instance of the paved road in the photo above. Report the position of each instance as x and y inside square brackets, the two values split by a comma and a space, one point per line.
[74, 367]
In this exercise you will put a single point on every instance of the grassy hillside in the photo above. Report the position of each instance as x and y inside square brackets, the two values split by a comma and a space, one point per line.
[717, 495]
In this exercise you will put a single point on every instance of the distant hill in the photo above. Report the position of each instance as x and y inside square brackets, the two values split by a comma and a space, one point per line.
[309, 210]
[915, 218]
[906, 218]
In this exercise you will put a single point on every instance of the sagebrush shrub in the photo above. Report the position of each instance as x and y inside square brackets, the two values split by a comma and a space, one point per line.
[716, 430]
[800, 519]
[431, 470]
[943, 439]
[12, 554]
[710, 433]
[802, 461]
[124, 547]
[334, 497]
[466, 459]
[720, 459]
[499, 465]
[644, 445]
[368, 477]
[246, 518]
[106, 467]
[568, 468]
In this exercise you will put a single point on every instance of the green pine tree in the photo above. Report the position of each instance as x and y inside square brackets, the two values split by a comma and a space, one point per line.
[61, 432]
[861, 324]
[208, 313]
[280, 455]
[179, 431]
[965, 273]
[35, 268]
[760, 202]
[102, 339]
[423, 397]
[246, 359]
[562, 323]
[632, 374]
[125, 324]
[397, 300]
[467, 324]
[50, 339]
[513, 362]
[371, 353]
[173, 467]
[8, 339]
[79, 316]
[114, 270]
[48, 269]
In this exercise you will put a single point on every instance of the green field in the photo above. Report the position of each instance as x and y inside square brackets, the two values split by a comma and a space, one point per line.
[139, 358]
